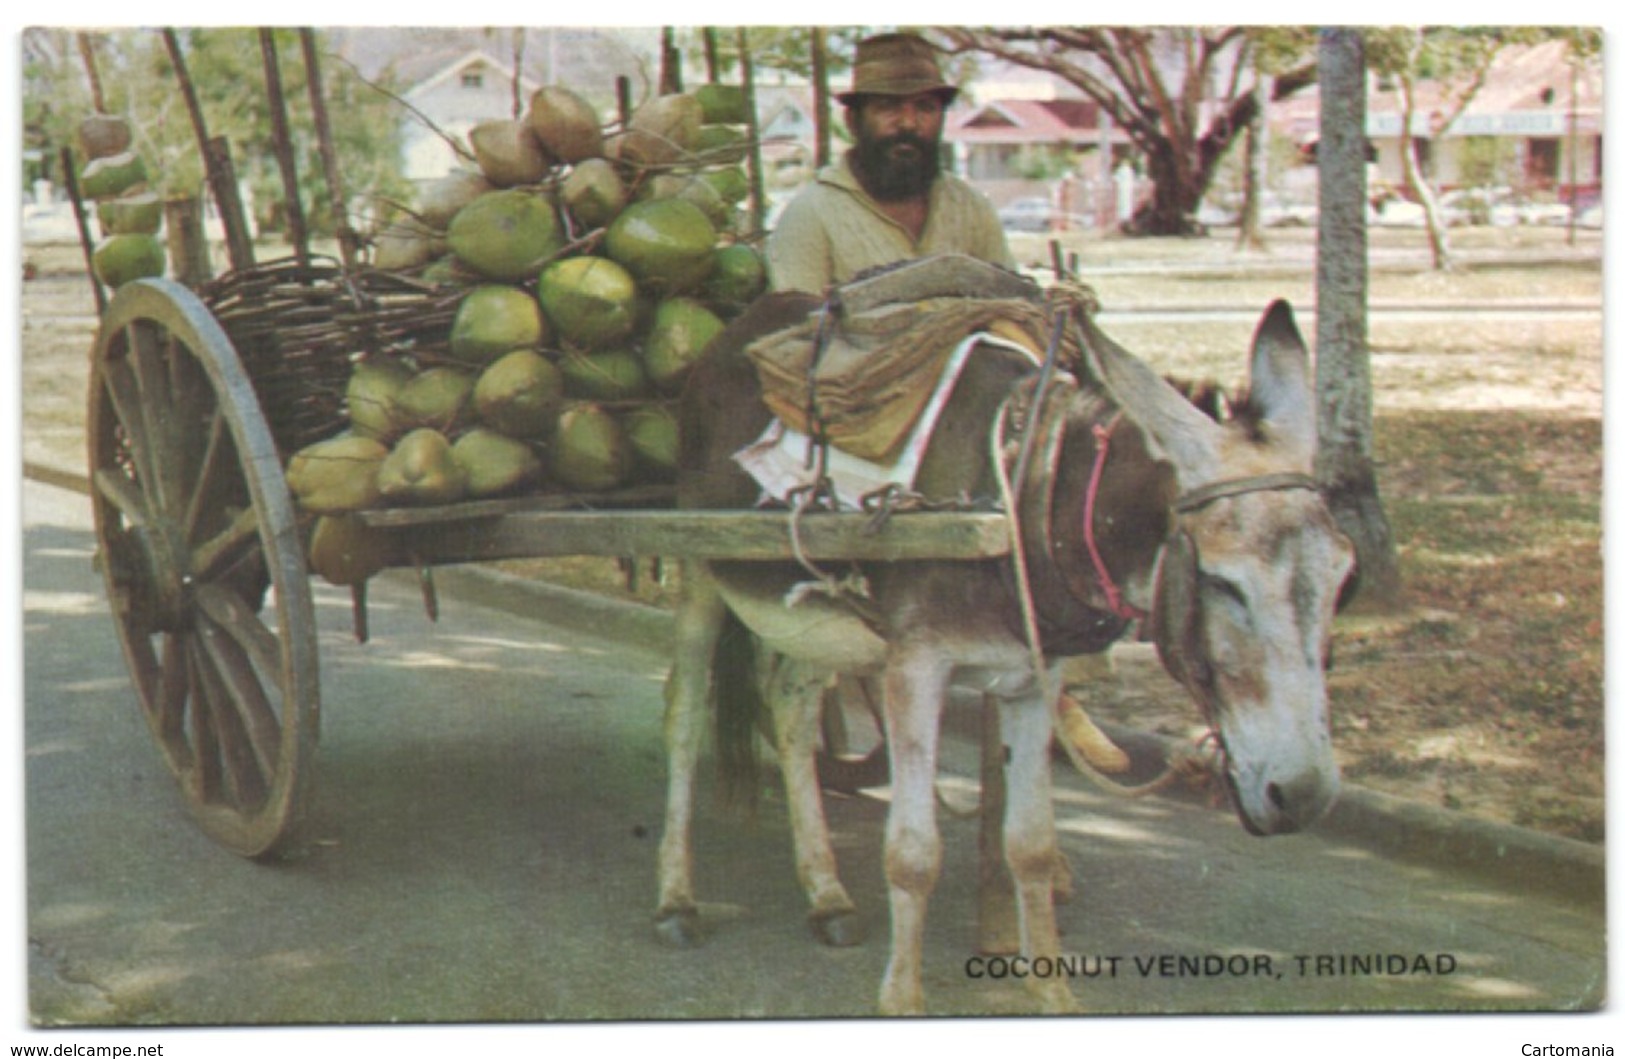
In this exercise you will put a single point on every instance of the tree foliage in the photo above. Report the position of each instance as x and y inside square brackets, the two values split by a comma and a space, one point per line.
[1182, 94]
[226, 66]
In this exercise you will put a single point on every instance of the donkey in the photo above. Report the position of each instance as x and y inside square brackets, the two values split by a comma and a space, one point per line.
[1215, 533]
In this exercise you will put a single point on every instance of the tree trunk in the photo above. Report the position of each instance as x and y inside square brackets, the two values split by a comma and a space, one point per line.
[1416, 182]
[1344, 462]
[1255, 170]
[1175, 195]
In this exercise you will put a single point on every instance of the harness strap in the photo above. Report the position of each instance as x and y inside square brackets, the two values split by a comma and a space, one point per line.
[1114, 592]
[1203, 495]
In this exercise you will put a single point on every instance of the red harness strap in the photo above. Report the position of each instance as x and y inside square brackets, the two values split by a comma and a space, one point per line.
[1114, 594]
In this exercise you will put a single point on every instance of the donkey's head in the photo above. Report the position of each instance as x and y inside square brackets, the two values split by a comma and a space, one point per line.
[1250, 575]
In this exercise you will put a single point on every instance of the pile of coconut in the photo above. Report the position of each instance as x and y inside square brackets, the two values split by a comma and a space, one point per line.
[593, 272]
[128, 212]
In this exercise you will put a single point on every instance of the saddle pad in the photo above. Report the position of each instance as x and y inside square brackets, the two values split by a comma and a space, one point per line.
[778, 460]
[879, 368]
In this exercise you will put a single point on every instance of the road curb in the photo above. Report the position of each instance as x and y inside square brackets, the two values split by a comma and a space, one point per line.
[1395, 827]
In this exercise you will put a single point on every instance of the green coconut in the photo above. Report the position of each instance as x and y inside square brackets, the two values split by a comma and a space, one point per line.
[738, 276]
[113, 175]
[520, 395]
[138, 214]
[344, 551]
[406, 243]
[493, 319]
[435, 397]
[508, 152]
[651, 430]
[592, 301]
[721, 144]
[682, 329]
[661, 131]
[494, 463]
[731, 183]
[722, 104]
[123, 258]
[594, 193]
[505, 234]
[370, 395]
[565, 124]
[442, 198]
[448, 270]
[104, 135]
[616, 375]
[665, 243]
[690, 187]
[590, 450]
[337, 475]
[420, 470]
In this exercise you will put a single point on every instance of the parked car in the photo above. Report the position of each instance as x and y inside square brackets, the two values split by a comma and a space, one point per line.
[1038, 214]
[1397, 213]
[1275, 211]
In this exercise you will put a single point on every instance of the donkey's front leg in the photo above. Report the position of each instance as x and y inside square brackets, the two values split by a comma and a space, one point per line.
[699, 619]
[916, 683]
[1029, 837]
[796, 695]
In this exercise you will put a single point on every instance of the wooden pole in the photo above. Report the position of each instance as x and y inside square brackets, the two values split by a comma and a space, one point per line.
[87, 54]
[283, 143]
[821, 108]
[216, 164]
[70, 180]
[712, 66]
[671, 72]
[753, 156]
[623, 98]
[330, 161]
[188, 248]
[239, 245]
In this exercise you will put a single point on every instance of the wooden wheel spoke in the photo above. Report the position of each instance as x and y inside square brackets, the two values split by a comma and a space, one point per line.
[204, 778]
[119, 381]
[118, 489]
[147, 360]
[235, 768]
[227, 547]
[227, 612]
[210, 465]
[168, 707]
[252, 719]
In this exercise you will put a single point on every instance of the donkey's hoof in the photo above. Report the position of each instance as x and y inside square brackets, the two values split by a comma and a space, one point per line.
[680, 929]
[838, 930]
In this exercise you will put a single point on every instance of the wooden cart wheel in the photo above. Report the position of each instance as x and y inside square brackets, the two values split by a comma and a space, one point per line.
[201, 552]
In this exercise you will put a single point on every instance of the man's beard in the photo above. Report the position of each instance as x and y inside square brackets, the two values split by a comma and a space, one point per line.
[892, 177]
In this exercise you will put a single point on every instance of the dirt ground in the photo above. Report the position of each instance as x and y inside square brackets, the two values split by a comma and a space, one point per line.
[1485, 693]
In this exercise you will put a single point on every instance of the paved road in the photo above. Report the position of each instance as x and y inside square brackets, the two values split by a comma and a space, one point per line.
[489, 798]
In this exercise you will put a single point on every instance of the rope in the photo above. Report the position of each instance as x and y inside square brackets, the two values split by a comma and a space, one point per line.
[1179, 766]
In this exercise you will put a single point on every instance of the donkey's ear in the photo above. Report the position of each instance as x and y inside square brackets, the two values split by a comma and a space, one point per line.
[1281, 385]
[1176, 429]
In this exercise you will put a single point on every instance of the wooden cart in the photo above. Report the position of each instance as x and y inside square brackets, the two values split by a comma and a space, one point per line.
[203, 550]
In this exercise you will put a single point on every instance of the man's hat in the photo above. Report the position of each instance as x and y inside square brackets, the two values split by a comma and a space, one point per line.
[896, 64]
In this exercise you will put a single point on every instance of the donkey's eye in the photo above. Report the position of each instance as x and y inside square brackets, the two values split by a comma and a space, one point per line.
[1222, 588]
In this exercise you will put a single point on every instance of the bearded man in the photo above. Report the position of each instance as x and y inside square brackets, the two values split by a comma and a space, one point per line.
[887, 200]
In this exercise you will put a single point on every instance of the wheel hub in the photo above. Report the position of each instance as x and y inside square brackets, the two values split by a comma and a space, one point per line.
[152, 565]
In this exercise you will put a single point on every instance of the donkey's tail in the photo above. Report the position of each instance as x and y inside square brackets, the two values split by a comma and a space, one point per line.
[740, 711]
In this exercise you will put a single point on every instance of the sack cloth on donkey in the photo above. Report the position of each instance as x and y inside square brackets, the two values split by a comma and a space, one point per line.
[880, 364]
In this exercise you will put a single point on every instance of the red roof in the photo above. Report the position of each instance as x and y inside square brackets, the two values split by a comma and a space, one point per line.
[1027, 121]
